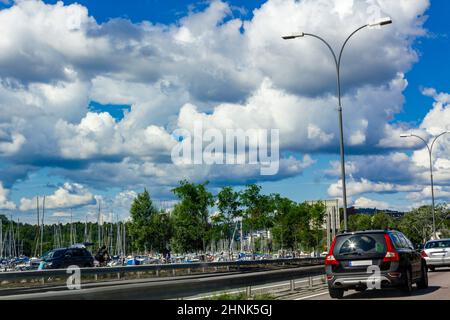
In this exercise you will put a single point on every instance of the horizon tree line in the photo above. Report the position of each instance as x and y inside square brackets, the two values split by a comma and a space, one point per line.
[200, 220]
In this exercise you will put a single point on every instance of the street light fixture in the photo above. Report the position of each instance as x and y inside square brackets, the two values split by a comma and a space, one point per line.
[430, 153]
[294, 36]
[337, 60]
[380, 22]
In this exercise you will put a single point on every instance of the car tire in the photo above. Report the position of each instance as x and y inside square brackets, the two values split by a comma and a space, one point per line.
[407, 282]
[336, 293]
[432, 269]
[423, 282]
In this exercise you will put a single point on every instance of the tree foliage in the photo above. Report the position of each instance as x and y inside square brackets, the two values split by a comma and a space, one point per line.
[191, 217]
[149, 228]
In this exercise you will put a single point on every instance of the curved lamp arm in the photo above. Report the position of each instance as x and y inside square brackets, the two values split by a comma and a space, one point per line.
[424, 141]
[337, 59]
[346, 41]
[327, 44]
[435, 139]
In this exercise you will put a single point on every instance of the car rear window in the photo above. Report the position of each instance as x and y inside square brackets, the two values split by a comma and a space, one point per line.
[54, 254]
[438, 244]
[360, 245]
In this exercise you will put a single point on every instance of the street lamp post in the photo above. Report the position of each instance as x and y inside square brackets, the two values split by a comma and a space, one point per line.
[337, 60]
[430, 153]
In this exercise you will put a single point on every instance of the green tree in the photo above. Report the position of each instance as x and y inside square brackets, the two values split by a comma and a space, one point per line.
[190, 217]
[359, 222]
[316, 217]
[284, 224]
[382, 221]
[258, 212]
[229, 207]
[142, 215]
[417, 225]
[289, 223]
[161, 228]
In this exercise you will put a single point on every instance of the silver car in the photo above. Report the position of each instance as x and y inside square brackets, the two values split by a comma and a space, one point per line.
[437, 253]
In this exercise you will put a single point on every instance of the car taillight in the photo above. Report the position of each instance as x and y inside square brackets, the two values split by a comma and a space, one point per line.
[391, 254]
[424, 254]
[330, 260]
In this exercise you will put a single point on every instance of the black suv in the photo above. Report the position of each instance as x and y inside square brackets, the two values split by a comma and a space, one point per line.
[375, 260]
[63, 258]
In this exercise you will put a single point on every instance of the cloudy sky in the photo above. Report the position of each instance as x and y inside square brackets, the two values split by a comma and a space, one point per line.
[90, 93]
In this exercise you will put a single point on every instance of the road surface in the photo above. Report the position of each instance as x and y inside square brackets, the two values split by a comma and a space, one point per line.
[439, 289]
[169, 288]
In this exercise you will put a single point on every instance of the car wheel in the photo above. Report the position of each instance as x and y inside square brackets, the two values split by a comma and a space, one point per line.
[407, 282]
[336, 293]
[432, 269]
[423, 282]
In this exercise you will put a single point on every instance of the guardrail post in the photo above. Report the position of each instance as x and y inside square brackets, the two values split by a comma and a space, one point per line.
[173, 272]
[157, 272]
[292, 285]
[118, 275]
[311, 282]
[203, 269]
[248, 291]
[189, 270]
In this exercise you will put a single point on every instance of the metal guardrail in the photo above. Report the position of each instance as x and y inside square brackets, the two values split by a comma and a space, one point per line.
[24, 275]
[177, 288]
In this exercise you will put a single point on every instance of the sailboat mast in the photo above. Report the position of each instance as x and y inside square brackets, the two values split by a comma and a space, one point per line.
[42, 225]
[124, 240]
[1, 238]
[242, 237]
[18, 237]
[111, 233]
[85, 231]
[71, 228]
[12, 239]
[38, 229]
[98, 225]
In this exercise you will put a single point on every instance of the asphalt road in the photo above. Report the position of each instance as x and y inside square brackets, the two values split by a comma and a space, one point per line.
[439, 289]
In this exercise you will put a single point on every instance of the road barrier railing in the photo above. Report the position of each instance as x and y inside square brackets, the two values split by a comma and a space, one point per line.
[168, 288]
[46, 277]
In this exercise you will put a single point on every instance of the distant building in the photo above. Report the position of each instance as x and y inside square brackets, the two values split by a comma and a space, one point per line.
[332, 218]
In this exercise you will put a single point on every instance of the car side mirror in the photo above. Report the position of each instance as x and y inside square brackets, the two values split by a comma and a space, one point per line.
[68, 255]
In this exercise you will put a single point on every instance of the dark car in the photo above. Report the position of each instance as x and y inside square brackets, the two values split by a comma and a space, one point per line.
[66, 257]
[374, 260]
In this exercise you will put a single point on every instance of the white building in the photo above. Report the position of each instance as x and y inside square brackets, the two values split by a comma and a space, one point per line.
[332, 218]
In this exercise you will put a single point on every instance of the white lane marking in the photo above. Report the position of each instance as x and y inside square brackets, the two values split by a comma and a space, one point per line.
[312, 296]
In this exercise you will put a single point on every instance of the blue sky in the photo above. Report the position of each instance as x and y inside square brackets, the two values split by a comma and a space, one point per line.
[429, 70]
